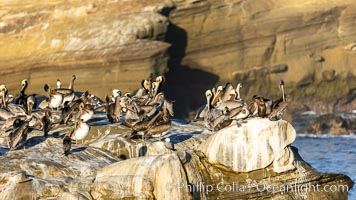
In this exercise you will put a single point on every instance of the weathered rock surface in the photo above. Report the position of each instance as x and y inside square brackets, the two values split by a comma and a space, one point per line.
[108, 165]
[255, 145]
[144, 177]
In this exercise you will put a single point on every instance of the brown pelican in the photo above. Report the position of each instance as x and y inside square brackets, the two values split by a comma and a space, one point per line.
[159, 125]
[220, 121]
[239, 113]
[18, 136]
[59, 84]
[279, 106]
[113, 110]
[230, 104]
[21, 99]
[86, 112]
[55, 98]
[146, 86]
[202, 112]
[157, 130]
[233, 95]
[10, 121]
[71, 84]
[27, 101]
[257, 107]
[115, 93]
[46, 123]
[227, 91]
[80, 130]
[3, 93]
[68, 111]
[69, 94]
[15, 109]
[156, 85]
[109, 107]
[156, 103]
[30, 104]
[238, 97]
[217, 96]
[67, 143]
[211, 113]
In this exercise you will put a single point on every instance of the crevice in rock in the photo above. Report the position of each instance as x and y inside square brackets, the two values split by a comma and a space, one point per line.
[185, 84]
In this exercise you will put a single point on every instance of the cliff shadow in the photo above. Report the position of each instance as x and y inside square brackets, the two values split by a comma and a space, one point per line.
[185, 84]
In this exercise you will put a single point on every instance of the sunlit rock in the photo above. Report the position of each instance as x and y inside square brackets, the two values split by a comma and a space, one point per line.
[255, 145]
[144, 177]
[110, 165]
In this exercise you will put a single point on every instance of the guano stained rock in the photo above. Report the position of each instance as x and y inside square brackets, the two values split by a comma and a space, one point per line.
[198, 167]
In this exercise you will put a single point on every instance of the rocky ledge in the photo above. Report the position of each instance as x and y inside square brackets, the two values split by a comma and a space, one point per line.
[249, 160]
[332, 124]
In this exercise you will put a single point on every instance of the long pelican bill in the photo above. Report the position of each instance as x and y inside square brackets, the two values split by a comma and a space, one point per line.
[208, 95]
[218, 95]
[3, 98]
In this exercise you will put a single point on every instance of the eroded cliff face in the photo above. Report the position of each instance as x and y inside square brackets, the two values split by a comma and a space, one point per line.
[310, 44]
[197, 44]
[107, 44]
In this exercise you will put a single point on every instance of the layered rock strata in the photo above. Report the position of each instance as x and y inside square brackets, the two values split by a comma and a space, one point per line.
[115, 44]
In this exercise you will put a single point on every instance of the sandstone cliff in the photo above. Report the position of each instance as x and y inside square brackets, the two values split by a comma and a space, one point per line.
[114, 44]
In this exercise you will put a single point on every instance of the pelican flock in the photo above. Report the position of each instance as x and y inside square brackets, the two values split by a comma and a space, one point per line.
[147, 112]
[224, 105]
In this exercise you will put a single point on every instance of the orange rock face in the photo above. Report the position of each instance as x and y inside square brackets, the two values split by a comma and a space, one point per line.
[115, 44]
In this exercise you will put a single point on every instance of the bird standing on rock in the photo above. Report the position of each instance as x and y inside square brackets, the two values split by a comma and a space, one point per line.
[46, 123]
[68, 94]
[86, 112]
[3, 93]
[54, 98]
[279, 106]
[18, 135]
[257, 107]
[67, 143]
[80, 130]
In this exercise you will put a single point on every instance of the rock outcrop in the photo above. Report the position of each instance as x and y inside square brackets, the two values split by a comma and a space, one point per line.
[235, 162]
[255, 145]
[332, 124]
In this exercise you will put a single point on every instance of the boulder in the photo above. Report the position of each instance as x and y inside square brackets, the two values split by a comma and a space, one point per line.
[254, 145]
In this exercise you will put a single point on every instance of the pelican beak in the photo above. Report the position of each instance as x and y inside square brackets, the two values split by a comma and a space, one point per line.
[130, 108]
[208, 102]
[216, 98]
[29, 110]
[3, 98]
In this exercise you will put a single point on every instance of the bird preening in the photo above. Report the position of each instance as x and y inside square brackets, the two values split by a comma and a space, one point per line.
[146, 113]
